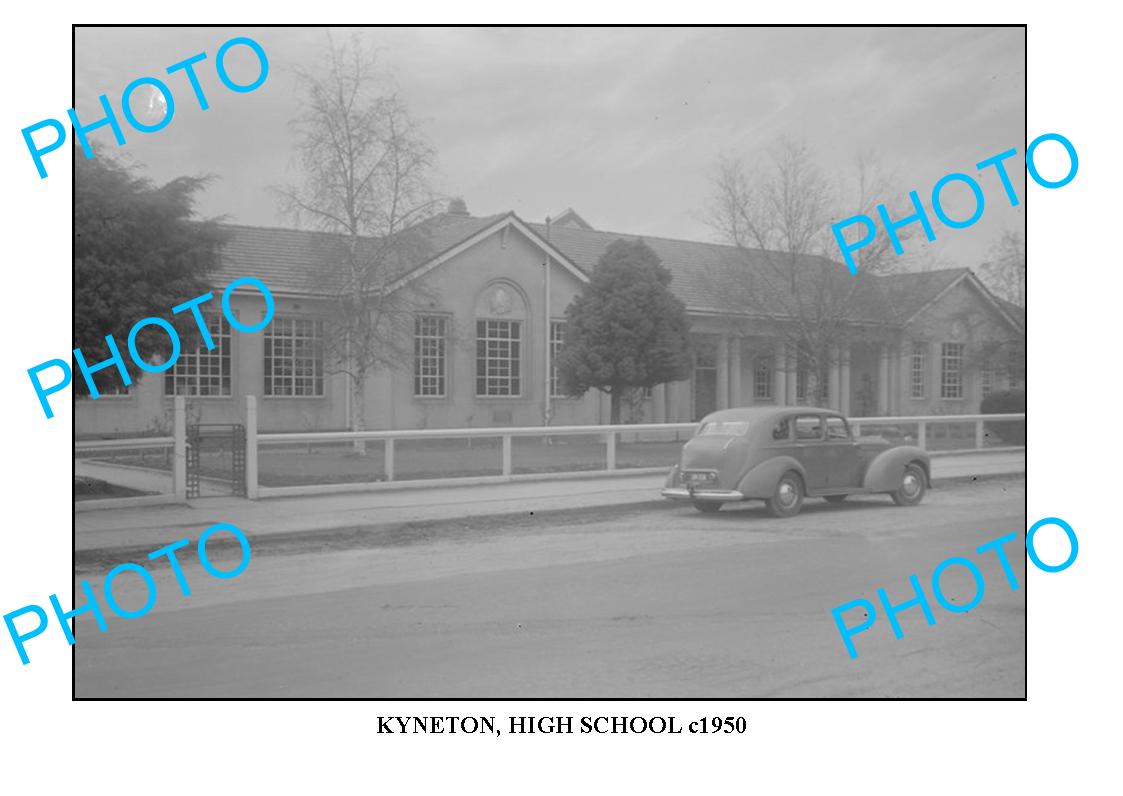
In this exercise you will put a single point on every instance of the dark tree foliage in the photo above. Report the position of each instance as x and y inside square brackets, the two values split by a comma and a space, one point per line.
[137, 253]
[1006, 402]
[626, 330]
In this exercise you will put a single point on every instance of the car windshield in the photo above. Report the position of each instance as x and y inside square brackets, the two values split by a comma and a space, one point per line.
[725, 428]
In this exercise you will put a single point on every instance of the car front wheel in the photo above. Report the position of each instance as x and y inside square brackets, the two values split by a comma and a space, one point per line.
[787, 500]
[911, 490]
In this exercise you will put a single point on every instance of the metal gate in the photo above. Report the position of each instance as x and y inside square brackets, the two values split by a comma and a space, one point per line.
[216, 443]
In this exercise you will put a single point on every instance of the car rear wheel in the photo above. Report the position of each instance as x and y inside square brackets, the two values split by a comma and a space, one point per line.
[912, 488]
[787, 500]
[835, 498]
[707, 506]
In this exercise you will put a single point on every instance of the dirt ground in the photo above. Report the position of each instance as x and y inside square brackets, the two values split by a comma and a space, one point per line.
[660, 601]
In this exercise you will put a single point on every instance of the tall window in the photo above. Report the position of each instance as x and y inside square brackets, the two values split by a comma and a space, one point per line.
[762, 379]
[498, 352]
[990, 379]
[919, 368]
[989, 372]
[951, 370]
[430, 356]
[294, 358]
[199, 372]
[557, 341]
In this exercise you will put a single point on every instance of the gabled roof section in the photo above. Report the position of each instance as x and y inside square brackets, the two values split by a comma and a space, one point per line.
[312, 263]
[925, 289]
[509, 220]
[702, 273]
[570, 218]
[909, 293]
[1016, 311]
[710, 278]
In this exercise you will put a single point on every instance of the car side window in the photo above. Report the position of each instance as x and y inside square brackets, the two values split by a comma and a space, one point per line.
[837, 428]
[782, 430]
[808, 427]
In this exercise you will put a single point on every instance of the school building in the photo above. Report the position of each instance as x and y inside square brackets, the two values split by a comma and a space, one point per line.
[488, 314]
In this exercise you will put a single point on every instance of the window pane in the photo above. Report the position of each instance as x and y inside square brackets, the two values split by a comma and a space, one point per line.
[762, 378]
[557, 341]
[200, 371]
[294, 357]
[430, 356]
[498, 358]
[836, 428]
[919, 368]
[808, 427]
[951, 370]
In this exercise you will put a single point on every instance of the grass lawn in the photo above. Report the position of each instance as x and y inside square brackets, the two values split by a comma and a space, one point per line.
[86, 488]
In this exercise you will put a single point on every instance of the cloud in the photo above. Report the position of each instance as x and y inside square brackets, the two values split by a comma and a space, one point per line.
[623, 124]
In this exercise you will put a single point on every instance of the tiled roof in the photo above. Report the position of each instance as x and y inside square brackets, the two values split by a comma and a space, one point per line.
[1016, 311]
[702, 274]
[301, 261]
[296, 261]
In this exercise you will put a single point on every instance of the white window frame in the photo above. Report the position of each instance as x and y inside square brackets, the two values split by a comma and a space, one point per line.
[283, 329]
[434, 383]
[222, 336]
[557, 342]
[952, 381]
[763, 388]
[918, 371]
[487, 357]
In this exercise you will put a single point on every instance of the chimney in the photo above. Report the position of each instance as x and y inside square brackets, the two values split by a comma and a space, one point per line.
[457, 207]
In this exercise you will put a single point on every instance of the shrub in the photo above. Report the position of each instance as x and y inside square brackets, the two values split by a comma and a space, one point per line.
[1006, 402]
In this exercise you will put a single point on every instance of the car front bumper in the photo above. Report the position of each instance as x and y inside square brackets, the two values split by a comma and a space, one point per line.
[720, 495]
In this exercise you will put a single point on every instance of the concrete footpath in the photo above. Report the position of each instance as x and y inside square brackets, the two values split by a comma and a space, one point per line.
[158, 525]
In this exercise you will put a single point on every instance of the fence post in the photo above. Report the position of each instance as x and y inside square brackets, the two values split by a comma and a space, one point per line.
[506, 454]
[179, 449]
[610, 450]
[251, 447]
[388, 458]
[857, 428]
[922, 435]
[978, 435]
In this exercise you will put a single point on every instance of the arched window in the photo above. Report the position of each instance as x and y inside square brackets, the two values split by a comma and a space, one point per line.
[500, 328]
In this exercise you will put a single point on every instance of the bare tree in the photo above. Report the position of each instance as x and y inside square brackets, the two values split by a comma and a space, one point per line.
[1004, 270]
[366, 179]
[778, 217]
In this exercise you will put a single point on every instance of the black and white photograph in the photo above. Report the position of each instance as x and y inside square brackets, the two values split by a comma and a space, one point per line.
[636, 362]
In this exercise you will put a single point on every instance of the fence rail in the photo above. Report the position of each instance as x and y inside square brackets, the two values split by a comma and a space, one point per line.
[136, 443]
[897, 428]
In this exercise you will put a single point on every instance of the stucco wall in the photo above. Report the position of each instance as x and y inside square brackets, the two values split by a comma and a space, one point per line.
[462, 289]
[962, 315]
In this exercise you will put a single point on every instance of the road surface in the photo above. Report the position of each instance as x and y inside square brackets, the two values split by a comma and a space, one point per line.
[611, 602]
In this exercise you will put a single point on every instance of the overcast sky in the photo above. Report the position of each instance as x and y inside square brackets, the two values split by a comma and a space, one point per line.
[622, 124]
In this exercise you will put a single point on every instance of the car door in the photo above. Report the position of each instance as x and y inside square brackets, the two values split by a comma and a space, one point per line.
[844, 461]
[809, 450]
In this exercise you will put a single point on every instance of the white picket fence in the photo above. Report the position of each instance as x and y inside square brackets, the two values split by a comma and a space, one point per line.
[610, 436]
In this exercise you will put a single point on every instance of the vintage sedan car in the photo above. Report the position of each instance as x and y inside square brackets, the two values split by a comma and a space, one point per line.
[782, 455]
